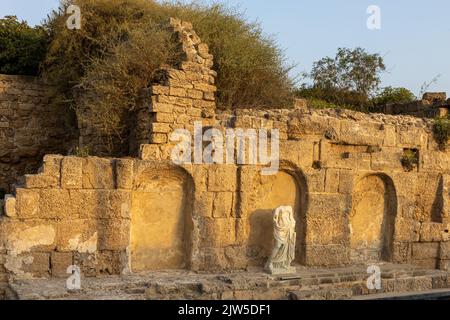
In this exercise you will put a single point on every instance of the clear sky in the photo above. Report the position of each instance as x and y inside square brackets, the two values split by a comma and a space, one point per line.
[414, 36]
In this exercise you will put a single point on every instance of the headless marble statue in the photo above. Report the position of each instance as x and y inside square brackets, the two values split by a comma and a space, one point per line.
[283, 253]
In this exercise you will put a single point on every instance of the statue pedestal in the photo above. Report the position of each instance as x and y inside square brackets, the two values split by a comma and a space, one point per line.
[281, 272]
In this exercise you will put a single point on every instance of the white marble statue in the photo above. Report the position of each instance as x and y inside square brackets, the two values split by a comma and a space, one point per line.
[283, 253]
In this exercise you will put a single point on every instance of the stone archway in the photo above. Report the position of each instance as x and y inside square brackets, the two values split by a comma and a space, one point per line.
[372, 219]
[278, 190]
[160, 220]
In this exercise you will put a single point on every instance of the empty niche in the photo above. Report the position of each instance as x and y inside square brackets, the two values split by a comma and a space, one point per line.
[372, 219]
[160, 220]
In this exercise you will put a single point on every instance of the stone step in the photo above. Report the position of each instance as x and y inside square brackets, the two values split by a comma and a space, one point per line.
[320, 284]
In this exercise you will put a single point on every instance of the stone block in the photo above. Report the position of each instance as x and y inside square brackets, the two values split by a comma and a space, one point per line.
[328, 205]
[159, 138]
[358, 133]
[411, 137]
[38, 264]
[431, 232]
[56, 204]
[10, 206]
[41, 181]
[401, 252]
[388, 160]
[434, 161]
[72, 173]
[52, 165]
[407, 230]
[124, 173]
[431, 263]
[164, 118]
[390, 136]
[444, 251]
[160, 90]
[421, 251]
[346, 181]
[223, 205]
[178, 92]
[150, 152]
[161, 107]
[60, 262]
[327, 256]
[203, 204]
[217, 233]
[222, 178]
[327, 229]
[161, 128]
[117, 240]
[98, 173]
[315, 180]
[27, 203]
[332, 181]
[79, 235]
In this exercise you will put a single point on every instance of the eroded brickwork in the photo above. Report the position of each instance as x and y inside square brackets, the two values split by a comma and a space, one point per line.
[29, 128]
[364, 187]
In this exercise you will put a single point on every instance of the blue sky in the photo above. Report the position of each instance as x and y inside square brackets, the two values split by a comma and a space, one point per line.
[414, 36]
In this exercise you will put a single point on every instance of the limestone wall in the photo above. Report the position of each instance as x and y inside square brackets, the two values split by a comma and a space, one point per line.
[364, 187]
[342, 172]
[29, 128]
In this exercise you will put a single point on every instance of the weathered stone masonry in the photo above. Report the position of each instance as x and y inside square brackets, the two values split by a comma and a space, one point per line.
[29, 128]
[342, 172]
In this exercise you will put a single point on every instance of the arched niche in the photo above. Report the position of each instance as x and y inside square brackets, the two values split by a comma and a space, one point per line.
[372, 219]
[288, 187]
[161, 224]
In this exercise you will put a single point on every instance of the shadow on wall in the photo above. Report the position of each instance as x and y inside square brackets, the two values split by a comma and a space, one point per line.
[161, 224]
[438, 203]
[372, 219]
[287, 188]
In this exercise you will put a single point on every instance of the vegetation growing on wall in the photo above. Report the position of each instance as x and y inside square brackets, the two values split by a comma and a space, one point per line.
[122, 43]
[393, 95]
[410, 159]
[441, 131]
[22, 47]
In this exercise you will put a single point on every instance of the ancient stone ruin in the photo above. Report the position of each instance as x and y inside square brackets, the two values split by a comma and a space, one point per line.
[354, 201]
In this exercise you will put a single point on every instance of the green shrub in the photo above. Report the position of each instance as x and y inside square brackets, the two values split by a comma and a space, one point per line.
[393, 95]
[320, 98]
[123, 42]
[441, 131]
[22, 48]
[410, 159]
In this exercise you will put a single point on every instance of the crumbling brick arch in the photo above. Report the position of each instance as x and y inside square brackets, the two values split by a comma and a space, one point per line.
[161, 218]
[372, 219]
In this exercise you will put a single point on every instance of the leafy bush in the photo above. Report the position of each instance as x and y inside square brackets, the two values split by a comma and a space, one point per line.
[441, 131]
[22, 48]
[122, 43]
[319, 98]
[393, 95]
[410, 159]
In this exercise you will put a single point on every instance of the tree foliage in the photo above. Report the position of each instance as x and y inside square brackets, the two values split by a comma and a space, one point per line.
[122, 43]
[350, 70]
[22, 47]
[393, 95]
